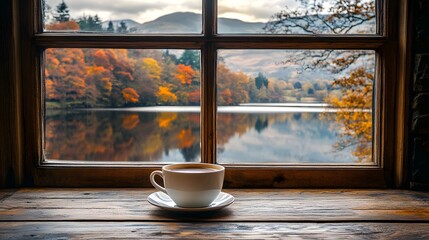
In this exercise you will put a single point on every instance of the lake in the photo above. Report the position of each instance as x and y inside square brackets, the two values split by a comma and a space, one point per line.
[246, 134]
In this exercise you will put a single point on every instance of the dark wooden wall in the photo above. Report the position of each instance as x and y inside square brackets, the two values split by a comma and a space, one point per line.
[420, 94]
[10, 97]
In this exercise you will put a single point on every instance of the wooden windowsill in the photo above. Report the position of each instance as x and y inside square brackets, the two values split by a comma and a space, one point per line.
[256, 213]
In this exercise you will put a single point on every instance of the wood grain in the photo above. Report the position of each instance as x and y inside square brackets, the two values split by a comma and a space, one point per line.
[5, 193]
[403, 95]
[139, 230]
[250, 206]
[235, 176]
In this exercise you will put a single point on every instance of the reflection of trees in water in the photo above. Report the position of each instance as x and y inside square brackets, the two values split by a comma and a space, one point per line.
[121, 136]
[260, 124]
[232, 124]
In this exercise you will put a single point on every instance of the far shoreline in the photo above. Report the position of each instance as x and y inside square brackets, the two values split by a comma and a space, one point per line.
[242, 108]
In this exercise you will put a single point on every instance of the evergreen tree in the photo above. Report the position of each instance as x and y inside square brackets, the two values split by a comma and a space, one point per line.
[110, 27]
[62, 14]
[260, 81]
[297, 85]
[169, 57]
[90, 23]
[122, 28]
[190, 58]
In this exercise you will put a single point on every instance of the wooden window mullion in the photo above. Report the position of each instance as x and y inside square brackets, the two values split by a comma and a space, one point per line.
[208, 83]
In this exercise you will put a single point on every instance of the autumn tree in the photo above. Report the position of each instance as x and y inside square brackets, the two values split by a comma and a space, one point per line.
[130, 95]
[355, 114]
[70, 25]
[151, 68]
[65, 70]
[166, 97]
[185, 74]
[99, 86]
[232, 87]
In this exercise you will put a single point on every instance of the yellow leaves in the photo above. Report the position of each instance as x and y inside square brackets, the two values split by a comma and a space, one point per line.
[185, 74]
[165, 96]
[152, 68]
[355, 115]
[130, 95]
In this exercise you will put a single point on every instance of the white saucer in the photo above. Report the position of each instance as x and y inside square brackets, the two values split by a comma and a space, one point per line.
[163, 201]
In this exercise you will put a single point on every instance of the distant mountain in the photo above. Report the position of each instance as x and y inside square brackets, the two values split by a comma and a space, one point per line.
[131, 24]
[187, 22]
[250, 62]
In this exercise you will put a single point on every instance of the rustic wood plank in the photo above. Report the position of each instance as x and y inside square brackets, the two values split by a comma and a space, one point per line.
[250, 205]
[135, 230]
[5, 193]
[235, 176]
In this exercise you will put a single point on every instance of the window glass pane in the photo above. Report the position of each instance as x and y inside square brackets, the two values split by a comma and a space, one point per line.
[295, 106]
[297, 17]
[122, 105]
[128, 16]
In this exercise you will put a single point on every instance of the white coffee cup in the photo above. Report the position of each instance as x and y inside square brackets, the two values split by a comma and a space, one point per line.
[190, 184]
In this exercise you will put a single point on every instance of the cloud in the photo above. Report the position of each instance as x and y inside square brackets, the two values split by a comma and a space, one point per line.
[143, 11]
[253, 11]
[140, 11]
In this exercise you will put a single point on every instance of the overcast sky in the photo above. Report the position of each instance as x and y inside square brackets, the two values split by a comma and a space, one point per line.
[144, 10]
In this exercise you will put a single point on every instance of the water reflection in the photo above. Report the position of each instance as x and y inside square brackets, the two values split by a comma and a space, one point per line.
[122, 136]
[175, 137]
[279, 138]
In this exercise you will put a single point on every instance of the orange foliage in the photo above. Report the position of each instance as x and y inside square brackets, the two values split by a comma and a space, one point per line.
[130, 95]
[227, 96]
[232, 86]
[50, 90]
[185, 74]
[186, 139]
[70, 25]
[194, 96]
[101, 59]
[165, 119]
[130, 121]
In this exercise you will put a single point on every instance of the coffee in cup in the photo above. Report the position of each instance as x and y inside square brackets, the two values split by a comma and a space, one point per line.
[190, 184]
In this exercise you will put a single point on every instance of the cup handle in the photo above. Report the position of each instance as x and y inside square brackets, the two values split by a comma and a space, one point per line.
[156, 185]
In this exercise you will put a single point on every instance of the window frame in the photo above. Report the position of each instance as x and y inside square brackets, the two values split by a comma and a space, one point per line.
[37, 172]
